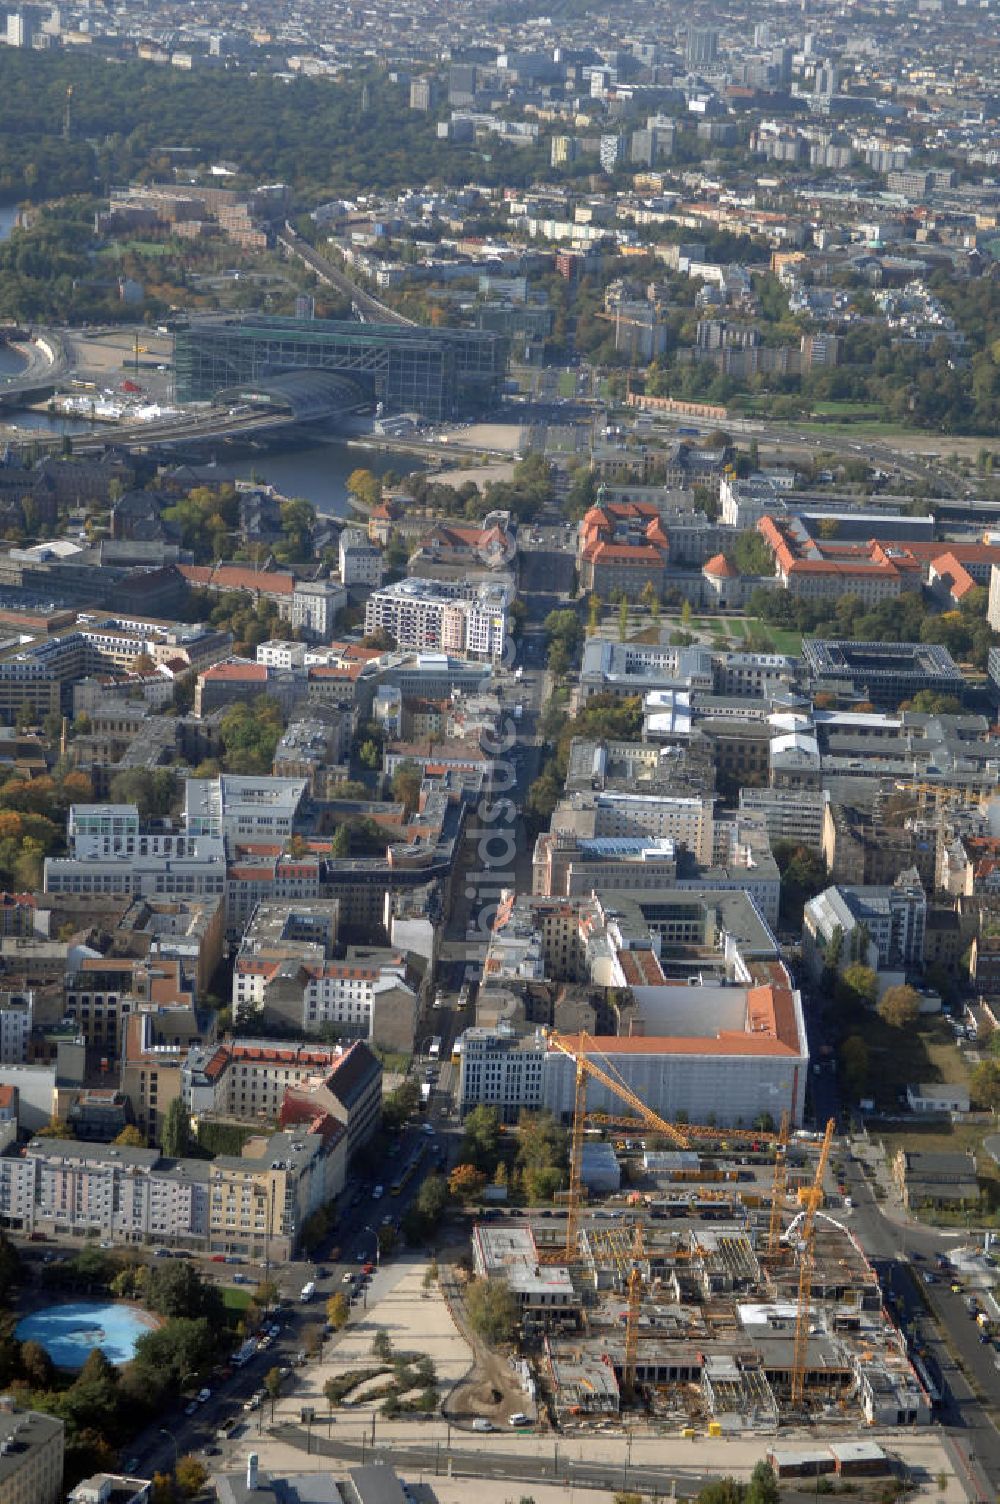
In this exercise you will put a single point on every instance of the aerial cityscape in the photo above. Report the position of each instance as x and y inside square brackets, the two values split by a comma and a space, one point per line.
[500, 740]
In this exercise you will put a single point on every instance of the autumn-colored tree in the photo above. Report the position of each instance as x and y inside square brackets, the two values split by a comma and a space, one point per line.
[365, 486]
[130, 1138]
[191, 1475]
[899, 1006]
[337, 1310]
[77, 788]
[466, 1182]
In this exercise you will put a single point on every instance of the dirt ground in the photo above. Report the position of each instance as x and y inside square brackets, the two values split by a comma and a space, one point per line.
[490, 1388]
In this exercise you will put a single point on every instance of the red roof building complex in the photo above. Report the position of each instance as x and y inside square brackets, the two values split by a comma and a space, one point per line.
[622, 547]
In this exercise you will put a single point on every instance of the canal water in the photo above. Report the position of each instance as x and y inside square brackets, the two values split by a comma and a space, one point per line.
[317, 472]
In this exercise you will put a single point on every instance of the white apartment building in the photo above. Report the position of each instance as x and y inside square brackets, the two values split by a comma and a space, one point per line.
[360, 559]
[249, 1077]
[312, 993]
[202, 874]
[276, 653]
[254, 1205]
[466, 619]
[314, 606]
[500, 1070]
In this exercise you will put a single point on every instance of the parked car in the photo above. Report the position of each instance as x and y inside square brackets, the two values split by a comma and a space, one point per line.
[480, 1423]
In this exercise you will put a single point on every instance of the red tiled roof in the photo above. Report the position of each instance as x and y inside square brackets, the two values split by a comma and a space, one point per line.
[720, 568]
[255, 673]
[238, 577]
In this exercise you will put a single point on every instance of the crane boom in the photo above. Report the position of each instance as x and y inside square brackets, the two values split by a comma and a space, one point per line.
[585, 1068]
[807, 1234]
[778, 1189]
[618, 1088]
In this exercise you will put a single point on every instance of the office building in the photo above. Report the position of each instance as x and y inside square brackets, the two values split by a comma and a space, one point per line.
[440, 373]
[702, 47]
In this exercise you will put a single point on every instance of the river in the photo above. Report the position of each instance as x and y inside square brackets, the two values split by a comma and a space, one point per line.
[317, 472]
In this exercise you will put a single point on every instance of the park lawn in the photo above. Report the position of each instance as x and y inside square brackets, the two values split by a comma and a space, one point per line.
[780, 639]
[898, 1057]
[786, 641]
[847, 409]
[567, 383]
[865, 428]
[236, 1297]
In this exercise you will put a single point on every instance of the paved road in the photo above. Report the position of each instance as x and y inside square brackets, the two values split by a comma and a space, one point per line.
[901, 1256]
[442, 1458]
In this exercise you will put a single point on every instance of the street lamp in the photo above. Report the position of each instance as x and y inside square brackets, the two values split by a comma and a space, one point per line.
[378, 1247]
[173, 1442]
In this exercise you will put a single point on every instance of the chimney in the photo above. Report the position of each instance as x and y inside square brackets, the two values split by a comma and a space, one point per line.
[252, 1473]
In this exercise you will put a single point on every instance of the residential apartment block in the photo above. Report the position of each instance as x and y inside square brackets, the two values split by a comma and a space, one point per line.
[467, 619]
[254, 1205]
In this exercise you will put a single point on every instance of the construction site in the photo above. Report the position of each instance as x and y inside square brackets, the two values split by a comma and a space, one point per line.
[696, 1300]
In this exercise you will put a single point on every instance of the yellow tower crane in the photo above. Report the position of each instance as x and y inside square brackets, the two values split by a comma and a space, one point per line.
[806, 1241]
[581, 1052]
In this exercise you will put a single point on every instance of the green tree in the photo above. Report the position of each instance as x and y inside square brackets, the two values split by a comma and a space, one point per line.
[855, 1064]
[175, 1287]
[858, 984]
[492, 1310]
[154, 791]
[175, 1138]
[686, 613]
[751, 555]
[273, 1382]
[423, 1218]
[763, 1485]
[984, 1084]
[803, 875]
[623, 619]
[406, 783]
[541, 1141]
[181, 1346]
[250, 734]
[369, 754]
[481, 1139]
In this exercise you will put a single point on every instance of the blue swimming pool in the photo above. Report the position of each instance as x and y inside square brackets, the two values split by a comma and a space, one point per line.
[69, 1332]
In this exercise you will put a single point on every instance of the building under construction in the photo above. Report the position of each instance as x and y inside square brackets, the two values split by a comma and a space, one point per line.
[697, 1323]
